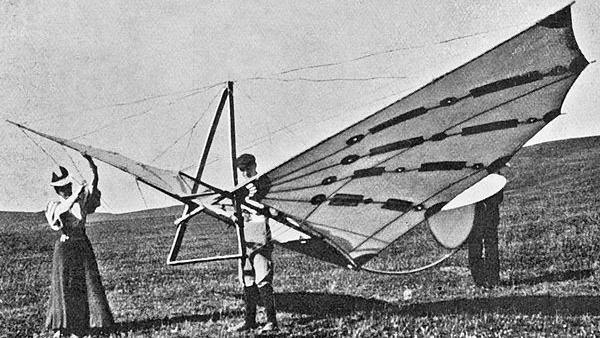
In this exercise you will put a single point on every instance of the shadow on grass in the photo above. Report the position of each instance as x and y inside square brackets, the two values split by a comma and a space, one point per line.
[327, 304]
[314, 304]
[319, 305]
[559, 276]
[156, 323]
[527, 305]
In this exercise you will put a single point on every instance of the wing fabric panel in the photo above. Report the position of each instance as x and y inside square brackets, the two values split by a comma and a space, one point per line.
[290, 235]
[293, 239]
[166, 181]
[369, 184]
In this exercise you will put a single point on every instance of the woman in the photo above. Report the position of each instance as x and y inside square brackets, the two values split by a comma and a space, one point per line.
[77, 299]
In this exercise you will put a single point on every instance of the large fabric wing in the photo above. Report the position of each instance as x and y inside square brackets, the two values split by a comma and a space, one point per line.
[366, 186]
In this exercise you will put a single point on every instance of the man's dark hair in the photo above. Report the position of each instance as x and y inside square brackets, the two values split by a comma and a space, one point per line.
[245, 160]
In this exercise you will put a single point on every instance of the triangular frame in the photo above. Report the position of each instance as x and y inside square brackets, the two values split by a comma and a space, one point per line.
[187, 214]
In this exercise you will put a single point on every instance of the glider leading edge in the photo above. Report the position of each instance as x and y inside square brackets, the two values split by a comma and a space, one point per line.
[352, 195]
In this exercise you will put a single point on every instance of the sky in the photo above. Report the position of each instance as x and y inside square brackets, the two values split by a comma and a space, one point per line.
[143, 78]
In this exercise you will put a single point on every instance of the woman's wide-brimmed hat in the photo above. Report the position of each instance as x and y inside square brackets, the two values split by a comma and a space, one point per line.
[62, 179]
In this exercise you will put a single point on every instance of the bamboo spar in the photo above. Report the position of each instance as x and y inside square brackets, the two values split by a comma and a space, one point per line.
[236, 201]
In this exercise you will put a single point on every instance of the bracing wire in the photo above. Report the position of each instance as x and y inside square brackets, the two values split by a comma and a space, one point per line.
[367, 56]
[305, 79]
[208, 163]
[137, 183]
[187, 147]
[40, 146]
[269, 132]
[143, 112]
[185, 93]
[286, 128]
[107, 125]
[74, 166]
[189, 131]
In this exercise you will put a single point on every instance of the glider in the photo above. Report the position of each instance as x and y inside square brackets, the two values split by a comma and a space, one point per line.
[409, 164]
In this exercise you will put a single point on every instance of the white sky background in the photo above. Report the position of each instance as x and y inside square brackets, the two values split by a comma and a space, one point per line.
[118, 75]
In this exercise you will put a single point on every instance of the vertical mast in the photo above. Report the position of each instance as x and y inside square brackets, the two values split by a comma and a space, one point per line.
[232, 133]
[236, 199]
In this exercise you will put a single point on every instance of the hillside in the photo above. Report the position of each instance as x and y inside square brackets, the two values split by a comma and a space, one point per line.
[37, 218]
[168, 212]
[559, 163]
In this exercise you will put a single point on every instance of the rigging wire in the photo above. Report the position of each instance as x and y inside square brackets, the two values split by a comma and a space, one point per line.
[348, 105]
[322, 93]
[189, 131]
[187, 148]
[144, 112]
[137, 183]
[266, 125]
[42, 148]
[305, 79]
[134, 115]
[208, 163]
[267, 138]
[286, 128]
[378, 53]
[109, 124]
[74, 165]
[185, 92]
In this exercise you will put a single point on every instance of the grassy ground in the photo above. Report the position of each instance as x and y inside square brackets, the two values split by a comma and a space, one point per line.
[549, 239]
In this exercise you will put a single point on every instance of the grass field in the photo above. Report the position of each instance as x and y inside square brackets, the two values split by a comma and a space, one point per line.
[550, 248]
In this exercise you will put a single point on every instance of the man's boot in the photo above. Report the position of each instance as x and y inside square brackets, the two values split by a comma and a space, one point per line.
[250, 300]
[266, 293]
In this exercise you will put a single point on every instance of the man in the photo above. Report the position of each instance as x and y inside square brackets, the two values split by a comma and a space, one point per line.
[257, 272]
[484, 259]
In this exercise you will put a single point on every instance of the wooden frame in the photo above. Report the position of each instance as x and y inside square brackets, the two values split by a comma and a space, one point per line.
[196, 209]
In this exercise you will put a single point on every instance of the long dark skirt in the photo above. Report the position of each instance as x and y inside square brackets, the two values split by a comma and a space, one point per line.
[77, 298]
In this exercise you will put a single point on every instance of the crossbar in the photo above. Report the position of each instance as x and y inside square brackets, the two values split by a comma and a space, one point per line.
[206, 260]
